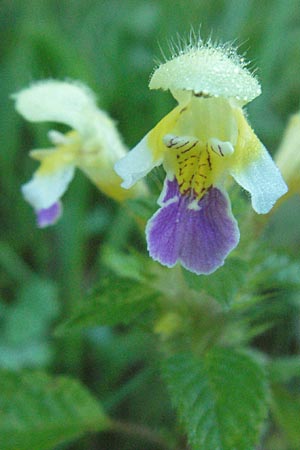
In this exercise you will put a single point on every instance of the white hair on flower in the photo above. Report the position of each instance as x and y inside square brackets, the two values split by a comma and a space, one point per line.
[206, 68]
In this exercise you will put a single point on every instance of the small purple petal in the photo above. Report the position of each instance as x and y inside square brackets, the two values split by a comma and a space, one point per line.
[199, 235]
[48, 216]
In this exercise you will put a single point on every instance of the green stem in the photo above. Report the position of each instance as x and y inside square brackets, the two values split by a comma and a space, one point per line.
[142, 432]
[72, 254]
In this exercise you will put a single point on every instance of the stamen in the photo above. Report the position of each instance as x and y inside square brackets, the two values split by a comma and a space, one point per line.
[221, 148]
[172, 141]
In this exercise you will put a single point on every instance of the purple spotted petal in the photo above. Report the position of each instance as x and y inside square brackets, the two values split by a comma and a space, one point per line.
[199, 235]
[48, 216]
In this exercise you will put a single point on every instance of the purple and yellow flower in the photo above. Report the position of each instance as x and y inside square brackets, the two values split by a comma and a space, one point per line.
[93, 145]
[200, 143]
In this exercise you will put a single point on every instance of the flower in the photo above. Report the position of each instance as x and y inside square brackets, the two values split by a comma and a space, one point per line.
[288, 155]
[93, 145]
[205, 138]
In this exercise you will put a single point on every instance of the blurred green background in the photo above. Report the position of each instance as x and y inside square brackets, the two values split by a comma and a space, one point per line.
[112, 46]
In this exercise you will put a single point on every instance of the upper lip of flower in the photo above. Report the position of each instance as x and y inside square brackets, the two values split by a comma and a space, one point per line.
[207, 70]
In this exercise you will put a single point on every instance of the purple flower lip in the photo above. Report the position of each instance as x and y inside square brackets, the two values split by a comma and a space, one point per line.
[197, 234]
[48, 216]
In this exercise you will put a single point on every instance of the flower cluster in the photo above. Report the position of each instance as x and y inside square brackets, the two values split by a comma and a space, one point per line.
[93, 145]
[202, 141]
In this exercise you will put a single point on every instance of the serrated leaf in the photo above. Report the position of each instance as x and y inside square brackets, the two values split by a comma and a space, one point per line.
[39, 411]
[120, 300]
[224, 284]
[221, 397]
[286, 412]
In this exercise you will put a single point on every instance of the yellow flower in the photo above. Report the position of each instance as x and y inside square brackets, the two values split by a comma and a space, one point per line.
[288, 155]
[93, 145]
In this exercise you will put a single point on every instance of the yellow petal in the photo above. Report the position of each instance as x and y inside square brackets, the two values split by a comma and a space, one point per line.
[248, 147]
[288, 155]
[164, 127]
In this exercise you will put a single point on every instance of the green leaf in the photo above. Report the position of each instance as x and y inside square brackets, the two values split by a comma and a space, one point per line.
[283, 369]
[23, 335]
[125, 265]
[39, 411]
[221, 397]
[224, 284]
[286, 412]
[30, 316]
[277, 271]
[120, 300]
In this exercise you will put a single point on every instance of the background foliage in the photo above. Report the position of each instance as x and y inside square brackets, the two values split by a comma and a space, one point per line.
[68, 347]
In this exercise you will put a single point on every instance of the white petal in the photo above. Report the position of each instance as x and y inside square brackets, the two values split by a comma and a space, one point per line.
[56, 101]
[264, 182]
[42, 191]
[136, 164]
